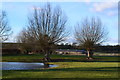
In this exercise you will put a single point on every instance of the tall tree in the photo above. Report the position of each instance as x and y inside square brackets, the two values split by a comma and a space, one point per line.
[89, 33]
[5, 29]
[45, 29]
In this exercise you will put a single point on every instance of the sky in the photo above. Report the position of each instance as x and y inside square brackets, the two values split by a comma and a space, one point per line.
[17, 14]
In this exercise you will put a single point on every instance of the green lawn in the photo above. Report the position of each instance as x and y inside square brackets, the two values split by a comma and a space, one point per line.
[69, 66]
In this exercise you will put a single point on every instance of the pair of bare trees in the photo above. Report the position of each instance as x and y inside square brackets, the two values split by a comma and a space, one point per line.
[46, 27]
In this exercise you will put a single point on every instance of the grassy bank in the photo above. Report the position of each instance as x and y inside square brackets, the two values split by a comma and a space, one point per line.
[69, 66]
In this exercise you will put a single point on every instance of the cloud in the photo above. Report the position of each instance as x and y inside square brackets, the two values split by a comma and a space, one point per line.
[32, 8]
[99, 7]
[107, 8]
[70, 39]
[35, 7]
[112, 13]
[111, 41]
[87, 1]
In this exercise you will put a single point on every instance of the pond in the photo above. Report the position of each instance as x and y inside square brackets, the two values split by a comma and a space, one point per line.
[22, 65]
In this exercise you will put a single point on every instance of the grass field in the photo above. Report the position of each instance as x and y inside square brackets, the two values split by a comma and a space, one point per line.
[69, 66]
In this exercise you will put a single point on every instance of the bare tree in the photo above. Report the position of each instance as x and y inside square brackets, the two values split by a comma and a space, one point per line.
[90, 33]
[5, 30]
[46, 27]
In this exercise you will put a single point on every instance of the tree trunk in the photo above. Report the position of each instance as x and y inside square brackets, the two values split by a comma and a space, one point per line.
[91, 54]
[47, 57]
[46, 65]
[88, 54]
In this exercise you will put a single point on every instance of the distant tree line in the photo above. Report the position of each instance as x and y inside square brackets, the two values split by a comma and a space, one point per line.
[108, 49]
[100, 48]
[14, 48]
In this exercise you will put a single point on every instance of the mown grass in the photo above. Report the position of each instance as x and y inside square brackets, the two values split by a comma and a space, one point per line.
[69, 66]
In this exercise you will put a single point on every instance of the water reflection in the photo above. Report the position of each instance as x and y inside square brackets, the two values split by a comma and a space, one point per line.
[23, 66]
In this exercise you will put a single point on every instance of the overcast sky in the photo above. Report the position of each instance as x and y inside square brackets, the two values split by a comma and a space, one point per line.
[17, 13]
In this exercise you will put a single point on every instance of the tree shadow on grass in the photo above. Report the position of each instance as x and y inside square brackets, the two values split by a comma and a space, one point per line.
[63, 60]
[86, 69]
[108, 69]
[82, 60]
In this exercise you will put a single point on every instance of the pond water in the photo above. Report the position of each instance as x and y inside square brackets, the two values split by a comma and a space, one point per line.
[22, 65]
